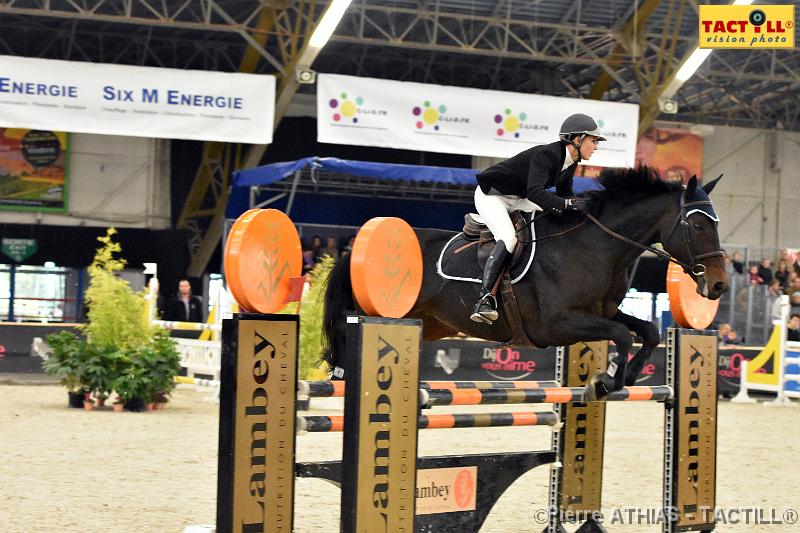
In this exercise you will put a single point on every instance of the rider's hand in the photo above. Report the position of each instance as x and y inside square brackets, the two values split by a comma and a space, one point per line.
[576, 204]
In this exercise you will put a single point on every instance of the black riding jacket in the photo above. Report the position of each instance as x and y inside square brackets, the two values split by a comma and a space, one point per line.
[530, 173]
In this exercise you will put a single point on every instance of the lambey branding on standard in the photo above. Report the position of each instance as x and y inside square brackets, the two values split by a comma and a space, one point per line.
[696, 474]
[265, 422]
[583, 433]
[387, 444]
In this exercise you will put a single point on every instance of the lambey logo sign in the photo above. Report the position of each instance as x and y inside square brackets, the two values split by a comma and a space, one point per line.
[759, 26]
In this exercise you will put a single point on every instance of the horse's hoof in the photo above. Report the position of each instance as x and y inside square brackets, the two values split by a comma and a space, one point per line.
[595, 390]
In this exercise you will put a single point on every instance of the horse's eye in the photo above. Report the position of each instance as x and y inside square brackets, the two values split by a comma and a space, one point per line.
[698, 227]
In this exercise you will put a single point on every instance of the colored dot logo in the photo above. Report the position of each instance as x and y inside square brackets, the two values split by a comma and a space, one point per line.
[508, 123]
[427, 114]
[345, 108]
[601, 123]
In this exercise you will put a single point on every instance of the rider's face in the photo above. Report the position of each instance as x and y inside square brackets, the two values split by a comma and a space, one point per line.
[588, 146]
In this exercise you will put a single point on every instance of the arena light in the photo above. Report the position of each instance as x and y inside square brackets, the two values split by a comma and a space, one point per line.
[692, 64]
[329, 21]
[697, 57]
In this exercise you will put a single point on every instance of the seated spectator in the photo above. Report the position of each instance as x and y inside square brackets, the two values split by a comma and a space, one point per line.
[764, 271]
[793, 328]
[347, 248]
[754, 278]
[782, 274]
[308, 260]
[727, 335]
[736, 261]
[794, 303]
[794, 285]
[330, 249]
[316, 247]
[775, 290]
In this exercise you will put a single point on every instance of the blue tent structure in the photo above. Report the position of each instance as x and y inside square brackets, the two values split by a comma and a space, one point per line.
[327, 190]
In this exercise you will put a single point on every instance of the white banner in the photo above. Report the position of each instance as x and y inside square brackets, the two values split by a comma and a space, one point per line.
[455, 120]
[106, 99]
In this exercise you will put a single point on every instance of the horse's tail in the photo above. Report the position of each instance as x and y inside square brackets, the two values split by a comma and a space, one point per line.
[338, 299]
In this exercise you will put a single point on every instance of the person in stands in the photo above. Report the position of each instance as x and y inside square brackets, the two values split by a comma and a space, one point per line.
[520, 183]
[793, 328]
[185, 306]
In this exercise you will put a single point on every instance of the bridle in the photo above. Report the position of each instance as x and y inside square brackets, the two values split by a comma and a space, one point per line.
[696, 268]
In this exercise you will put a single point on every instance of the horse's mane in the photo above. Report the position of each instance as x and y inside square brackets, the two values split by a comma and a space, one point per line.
[631, 184]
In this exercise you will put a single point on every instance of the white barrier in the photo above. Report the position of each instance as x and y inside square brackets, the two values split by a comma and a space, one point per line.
[784, 379]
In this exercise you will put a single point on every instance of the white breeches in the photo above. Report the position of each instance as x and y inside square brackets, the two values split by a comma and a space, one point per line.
[494, 210]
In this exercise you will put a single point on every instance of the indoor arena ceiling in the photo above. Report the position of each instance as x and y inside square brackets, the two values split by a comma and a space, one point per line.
[615, 50]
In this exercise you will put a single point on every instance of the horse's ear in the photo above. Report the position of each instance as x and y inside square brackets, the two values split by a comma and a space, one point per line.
[691, 186]
[708, 187]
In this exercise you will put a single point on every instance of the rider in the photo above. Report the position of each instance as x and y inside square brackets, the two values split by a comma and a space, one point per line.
[520, 183]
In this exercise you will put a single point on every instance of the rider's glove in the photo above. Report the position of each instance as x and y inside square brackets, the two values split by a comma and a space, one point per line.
[575, 204]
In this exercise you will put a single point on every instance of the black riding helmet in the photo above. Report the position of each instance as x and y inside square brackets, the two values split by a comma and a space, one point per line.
[581, 125]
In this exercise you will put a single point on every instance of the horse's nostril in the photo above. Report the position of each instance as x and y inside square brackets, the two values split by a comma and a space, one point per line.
[721, 287]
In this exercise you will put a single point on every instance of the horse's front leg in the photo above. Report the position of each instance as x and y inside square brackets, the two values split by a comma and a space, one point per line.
[588, 328]
[650, 339]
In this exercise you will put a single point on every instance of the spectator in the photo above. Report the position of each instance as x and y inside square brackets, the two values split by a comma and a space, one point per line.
[794, 286]
[764, 271]
[754, 278]
[308, 260]
[316, 247]
[793, 328]
[729, 270]
[775, 290]
[727, 335]
[782, 274]
[794, 303]
[347, 248]
[185, 307]
[330, 249]
[736, 261]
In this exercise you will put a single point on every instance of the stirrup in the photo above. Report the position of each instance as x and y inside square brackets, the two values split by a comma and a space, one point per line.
[485, 316]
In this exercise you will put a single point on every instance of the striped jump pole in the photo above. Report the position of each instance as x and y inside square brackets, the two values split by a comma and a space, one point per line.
[335, 423]
[546, 395]
[335, 389]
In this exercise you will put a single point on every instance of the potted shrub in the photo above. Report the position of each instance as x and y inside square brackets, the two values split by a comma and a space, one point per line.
[159, 361]
[131, 386]
[67, 361]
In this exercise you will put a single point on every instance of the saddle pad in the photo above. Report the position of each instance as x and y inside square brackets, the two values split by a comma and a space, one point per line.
[463, 266]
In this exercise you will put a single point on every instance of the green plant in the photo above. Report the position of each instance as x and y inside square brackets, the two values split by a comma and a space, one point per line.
[160, 362]
[117, 314]
[311, 313]
[66, 361]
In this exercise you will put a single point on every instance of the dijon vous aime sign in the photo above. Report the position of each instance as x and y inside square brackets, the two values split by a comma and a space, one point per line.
[83, 97]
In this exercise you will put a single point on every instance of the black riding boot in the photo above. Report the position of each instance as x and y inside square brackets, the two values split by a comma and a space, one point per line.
[486, 308]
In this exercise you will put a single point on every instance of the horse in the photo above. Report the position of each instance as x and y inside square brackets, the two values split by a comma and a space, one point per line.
[578, 278]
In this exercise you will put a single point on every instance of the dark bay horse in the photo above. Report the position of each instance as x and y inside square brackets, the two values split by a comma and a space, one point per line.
[577, 281]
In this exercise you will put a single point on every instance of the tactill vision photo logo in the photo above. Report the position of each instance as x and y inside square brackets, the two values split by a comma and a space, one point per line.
[762, 26]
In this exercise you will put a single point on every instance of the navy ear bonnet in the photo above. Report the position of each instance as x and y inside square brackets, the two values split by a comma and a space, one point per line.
[699, 195]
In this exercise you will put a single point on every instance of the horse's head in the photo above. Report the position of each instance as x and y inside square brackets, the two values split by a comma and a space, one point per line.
[693, 240]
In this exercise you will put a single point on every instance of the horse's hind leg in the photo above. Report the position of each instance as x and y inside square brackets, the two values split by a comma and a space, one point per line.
[650, 339]
[595, 328]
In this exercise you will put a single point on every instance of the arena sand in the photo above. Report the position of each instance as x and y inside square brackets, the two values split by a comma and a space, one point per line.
[67, 470]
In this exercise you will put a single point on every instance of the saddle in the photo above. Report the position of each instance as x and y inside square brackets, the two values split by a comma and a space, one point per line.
[476, 232]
